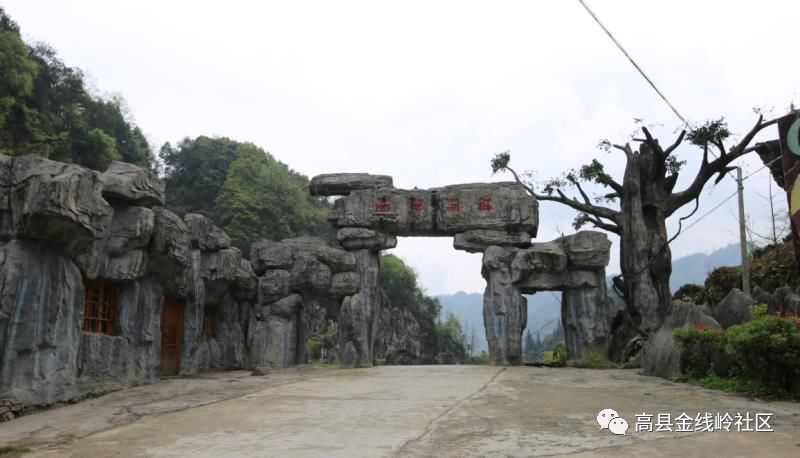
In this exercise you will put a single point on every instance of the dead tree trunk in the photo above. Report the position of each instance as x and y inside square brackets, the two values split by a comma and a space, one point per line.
[645, 257]
[646, 199]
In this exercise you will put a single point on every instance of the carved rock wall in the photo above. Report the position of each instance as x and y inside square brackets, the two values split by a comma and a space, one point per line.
[62, 225]
[301, 282]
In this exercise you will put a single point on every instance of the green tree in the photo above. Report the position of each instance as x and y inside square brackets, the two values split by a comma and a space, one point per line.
[19, 122]
[244, 189]
[46, 109]
[399, 283]
[451, 341]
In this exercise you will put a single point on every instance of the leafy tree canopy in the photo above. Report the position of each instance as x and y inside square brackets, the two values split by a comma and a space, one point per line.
[243, 188]
[46, 109]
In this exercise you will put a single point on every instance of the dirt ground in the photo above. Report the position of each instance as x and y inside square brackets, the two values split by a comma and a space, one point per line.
[404, 411]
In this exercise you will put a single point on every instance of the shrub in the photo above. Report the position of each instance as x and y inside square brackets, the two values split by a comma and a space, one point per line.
[690, 292]
[775, 268]
[767, 349]
[720, 282]
[557, 357]
[759, 310]
[314, 349]
[699, 347]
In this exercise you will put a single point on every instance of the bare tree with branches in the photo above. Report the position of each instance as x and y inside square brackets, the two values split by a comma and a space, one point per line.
[644, 199]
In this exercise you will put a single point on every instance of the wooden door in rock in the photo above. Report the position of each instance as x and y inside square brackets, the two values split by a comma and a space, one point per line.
[171, 335]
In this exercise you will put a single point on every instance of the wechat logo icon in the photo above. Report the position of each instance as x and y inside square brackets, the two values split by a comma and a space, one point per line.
[609, 419]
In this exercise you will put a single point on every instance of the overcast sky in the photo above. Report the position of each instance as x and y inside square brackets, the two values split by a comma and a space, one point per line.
[429, 91]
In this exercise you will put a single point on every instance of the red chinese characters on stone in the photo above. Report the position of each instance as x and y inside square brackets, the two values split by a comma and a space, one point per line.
[453, 205]
[417, 205]
[485, 204]
[382, 206]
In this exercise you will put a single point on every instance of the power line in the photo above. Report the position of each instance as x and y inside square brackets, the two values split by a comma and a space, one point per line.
[652, 84]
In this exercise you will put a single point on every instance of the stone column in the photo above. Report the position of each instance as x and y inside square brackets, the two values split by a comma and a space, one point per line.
[360, 313]
[585, 315]
[358, 318]
[505, 310]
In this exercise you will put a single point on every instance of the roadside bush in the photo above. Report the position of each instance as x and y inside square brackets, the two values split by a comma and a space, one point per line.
[557, 357]
[767, 349]
[699, 347]
[764, 355]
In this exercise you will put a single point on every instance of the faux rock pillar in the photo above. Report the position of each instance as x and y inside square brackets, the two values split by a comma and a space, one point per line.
[585, 317]
[505, 310]
[360, 313]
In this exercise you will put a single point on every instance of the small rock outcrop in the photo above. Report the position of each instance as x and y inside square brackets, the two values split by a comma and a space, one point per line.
[660, 356]
[341, 184]
[298, 279]
[733, 309]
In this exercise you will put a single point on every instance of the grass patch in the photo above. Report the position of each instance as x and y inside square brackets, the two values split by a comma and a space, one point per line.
[13, 451]
[737, 385]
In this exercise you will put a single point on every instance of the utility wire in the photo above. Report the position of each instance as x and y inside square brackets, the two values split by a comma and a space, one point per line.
[652, 84]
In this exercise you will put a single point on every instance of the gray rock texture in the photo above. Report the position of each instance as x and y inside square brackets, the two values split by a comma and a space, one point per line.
[169, 251]
[204, 234]
[360, 313]
[511, 272]
[505, 310]
[478, 240]
[660, 356]
[132, 185]
[40, 327]
[359, 238]
[56, 202]
[733, 309]
[62, 225]
[439, 211]
[301, 284]
[341, 184]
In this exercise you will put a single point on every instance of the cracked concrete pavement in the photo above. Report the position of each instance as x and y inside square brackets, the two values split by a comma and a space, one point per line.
[404, 411]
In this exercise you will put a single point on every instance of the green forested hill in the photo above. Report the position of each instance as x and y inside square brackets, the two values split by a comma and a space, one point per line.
[46, 108]
[243, 188]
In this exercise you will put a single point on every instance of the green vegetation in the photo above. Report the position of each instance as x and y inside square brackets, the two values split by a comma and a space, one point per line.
[441, 342]
[46, 109]
[243, 188]
[535, 350]
[452, 349]
[13, 451]
[771, 267]
[765, 354]
[557, 357]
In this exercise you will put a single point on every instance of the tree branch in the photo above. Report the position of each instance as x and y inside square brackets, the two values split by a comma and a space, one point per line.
[718, 165]
[595, 210]
[677, 143]
[610, 227]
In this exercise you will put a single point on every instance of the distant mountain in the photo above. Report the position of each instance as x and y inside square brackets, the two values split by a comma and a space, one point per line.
[544, 308]
[694, 268]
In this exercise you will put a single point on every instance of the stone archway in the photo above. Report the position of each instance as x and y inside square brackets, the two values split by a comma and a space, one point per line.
[496, 219]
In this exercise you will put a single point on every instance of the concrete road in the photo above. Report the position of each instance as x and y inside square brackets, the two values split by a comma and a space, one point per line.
[440, 411]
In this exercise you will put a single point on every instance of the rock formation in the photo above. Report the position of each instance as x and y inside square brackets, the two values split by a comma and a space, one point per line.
[70, 236]
[496, 219]
[660, 356]
[301, 282]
